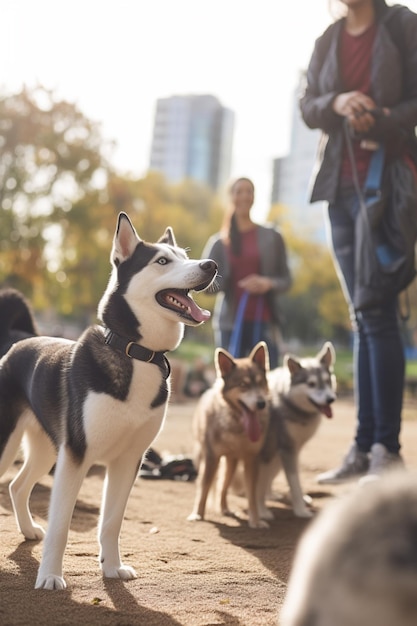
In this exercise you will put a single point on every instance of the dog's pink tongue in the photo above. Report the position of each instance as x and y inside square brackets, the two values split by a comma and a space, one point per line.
[252, 425]
[326, 409]
[198, 315]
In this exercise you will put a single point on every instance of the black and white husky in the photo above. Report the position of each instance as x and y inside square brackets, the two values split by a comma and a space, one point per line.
[101, 399]
[301, 392]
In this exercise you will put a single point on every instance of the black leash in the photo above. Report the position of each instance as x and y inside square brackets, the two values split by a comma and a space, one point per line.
[135, 351]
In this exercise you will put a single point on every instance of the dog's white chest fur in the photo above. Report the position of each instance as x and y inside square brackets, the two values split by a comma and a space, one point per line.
[113, 425]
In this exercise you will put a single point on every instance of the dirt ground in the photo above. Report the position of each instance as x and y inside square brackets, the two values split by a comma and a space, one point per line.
[192, 574]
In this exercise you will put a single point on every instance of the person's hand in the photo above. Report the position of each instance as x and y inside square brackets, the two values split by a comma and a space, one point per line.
[356, 107]
[256, 284]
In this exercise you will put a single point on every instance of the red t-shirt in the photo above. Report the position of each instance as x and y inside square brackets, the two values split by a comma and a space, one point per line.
[355, 54]
[249, 262]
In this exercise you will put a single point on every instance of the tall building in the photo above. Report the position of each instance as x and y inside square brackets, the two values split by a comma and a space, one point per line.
[193, 138]
[291, 179]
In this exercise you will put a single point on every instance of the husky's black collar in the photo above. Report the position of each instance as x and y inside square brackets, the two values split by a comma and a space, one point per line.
[135, 351]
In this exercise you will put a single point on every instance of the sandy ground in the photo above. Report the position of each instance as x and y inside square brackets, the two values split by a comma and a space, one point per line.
[192, 574]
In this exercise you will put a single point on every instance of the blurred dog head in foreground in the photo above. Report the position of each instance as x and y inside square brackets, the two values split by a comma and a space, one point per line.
[357, 562]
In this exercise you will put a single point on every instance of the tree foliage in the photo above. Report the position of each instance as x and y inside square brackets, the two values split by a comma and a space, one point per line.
[51, 156]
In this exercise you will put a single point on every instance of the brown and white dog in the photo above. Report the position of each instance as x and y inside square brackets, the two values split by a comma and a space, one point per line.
[231, 421]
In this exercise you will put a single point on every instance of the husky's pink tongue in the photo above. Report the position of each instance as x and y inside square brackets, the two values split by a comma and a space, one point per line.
[198, 315]
[251, 425]
[326, 409]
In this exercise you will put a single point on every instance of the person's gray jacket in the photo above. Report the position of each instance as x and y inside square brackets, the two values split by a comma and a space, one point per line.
[393, 85]
[273, 264]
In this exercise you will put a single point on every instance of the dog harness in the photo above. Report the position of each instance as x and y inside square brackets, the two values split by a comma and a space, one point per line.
[135, 351]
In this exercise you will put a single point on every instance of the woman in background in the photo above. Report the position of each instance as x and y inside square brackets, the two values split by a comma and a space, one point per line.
[251, 258]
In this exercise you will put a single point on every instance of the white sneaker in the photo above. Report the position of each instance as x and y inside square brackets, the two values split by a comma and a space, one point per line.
[354, 465]
[381, 461]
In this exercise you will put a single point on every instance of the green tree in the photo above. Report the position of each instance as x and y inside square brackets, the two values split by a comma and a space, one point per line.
[51, 156]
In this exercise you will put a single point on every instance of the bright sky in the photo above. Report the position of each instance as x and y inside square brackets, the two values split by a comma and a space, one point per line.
[115, 58]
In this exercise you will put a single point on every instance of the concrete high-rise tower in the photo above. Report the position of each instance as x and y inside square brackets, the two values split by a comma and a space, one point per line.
[192, 138]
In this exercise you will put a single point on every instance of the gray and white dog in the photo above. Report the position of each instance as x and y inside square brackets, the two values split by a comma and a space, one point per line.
[301, 392]
[357, 562]
[101, 399]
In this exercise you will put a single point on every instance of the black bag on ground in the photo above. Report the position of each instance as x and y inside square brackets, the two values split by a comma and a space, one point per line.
[155, 467]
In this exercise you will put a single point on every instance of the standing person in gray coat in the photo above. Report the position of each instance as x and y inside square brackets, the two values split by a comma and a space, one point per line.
[251, 258]
[362, 83]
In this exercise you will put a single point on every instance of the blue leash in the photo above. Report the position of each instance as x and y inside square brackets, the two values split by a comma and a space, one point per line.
[236, 337]
[374, 176]
[388, 256]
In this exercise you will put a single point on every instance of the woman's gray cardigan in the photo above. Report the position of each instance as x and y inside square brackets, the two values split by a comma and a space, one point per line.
[273, 265]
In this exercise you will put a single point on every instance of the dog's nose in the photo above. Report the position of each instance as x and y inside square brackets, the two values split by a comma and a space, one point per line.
[208, 266]
[261, 404]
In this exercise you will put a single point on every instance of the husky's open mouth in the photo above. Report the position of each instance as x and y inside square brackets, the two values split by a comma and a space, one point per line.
[326, 409]
[180, 301]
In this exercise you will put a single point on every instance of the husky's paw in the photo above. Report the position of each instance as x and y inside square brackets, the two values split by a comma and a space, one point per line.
[303, 512]
[33, 533]
[50, 582]
[124, 572]
[194, 517]
[259, 524]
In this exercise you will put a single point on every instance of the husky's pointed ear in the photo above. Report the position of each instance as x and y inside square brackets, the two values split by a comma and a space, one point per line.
[327, 355]
[168, 237]
[292, 363]
[260, 355]
[224, 362]
[125, 240]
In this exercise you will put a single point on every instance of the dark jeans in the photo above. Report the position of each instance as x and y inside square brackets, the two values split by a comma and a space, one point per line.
[379, 362]
[246, 344]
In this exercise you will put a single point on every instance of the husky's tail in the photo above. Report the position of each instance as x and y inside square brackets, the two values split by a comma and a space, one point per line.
[16, 319]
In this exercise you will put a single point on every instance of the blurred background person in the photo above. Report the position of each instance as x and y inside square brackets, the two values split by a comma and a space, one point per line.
[252, 258]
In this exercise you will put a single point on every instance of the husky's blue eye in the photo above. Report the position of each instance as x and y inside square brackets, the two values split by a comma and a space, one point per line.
[162, 260]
